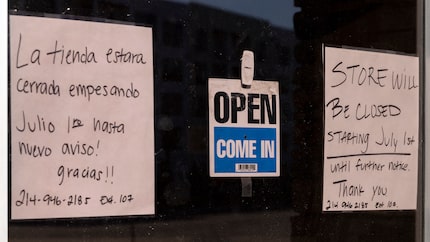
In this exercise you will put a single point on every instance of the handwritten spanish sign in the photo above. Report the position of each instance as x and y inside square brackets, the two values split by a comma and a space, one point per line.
[371, 131]
[243, 128]
[82, 141]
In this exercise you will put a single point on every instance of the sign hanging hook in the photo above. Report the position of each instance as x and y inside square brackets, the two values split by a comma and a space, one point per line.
[247, 68]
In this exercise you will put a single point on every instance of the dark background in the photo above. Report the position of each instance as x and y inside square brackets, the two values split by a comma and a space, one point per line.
[193, 42]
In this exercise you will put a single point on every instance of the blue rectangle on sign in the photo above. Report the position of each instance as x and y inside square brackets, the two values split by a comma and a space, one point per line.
[244, 150]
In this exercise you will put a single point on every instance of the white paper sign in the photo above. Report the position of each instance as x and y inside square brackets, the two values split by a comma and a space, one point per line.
[243, 128]
[81, 119]
[371, 131]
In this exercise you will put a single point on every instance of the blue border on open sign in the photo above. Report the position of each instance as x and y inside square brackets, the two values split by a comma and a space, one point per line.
[227, 165]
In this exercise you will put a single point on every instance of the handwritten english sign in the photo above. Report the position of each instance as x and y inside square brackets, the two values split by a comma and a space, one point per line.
[371, 130]
[82, 141]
